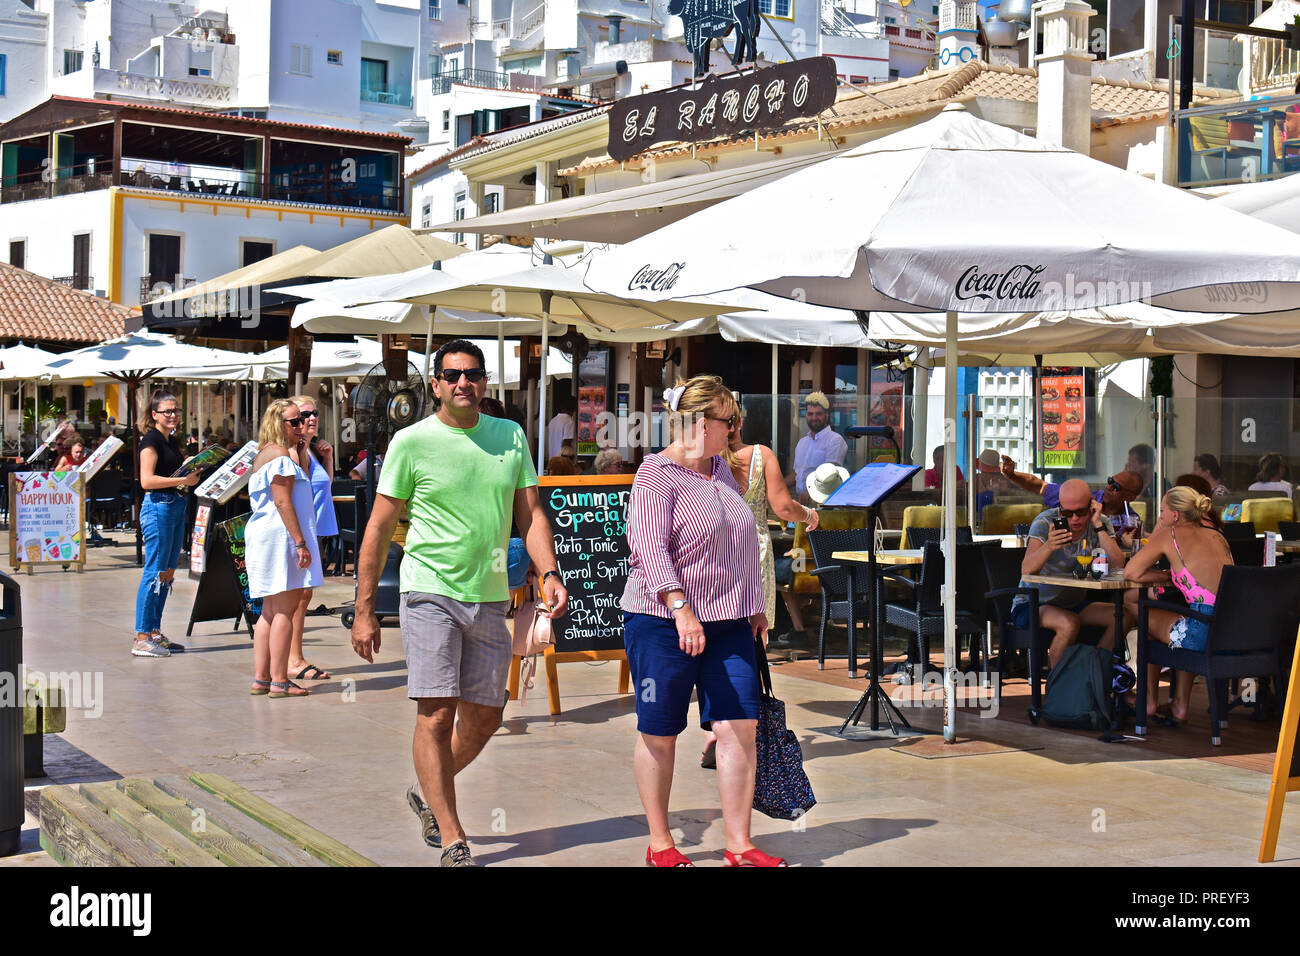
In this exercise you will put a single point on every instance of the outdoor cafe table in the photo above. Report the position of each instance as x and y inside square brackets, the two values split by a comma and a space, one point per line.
[1115, 583]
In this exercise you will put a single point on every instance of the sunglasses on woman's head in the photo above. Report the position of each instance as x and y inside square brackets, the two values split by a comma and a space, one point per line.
[452, 375]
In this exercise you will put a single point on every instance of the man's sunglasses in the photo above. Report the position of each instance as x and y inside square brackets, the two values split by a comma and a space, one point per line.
[1076, 513]
[452, 375]
[1115, 486]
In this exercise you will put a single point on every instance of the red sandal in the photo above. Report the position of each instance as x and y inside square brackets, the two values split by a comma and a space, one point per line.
[669, 857]
[753, 857]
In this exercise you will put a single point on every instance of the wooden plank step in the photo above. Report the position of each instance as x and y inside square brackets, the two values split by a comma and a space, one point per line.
[211, 836]
[315, 842]
[265, 841]
[78, 834]
[152, 831]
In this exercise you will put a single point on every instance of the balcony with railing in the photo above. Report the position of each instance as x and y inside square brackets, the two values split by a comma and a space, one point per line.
[490, 79]
[57, 181]
[82, 282]
[388, 95]
[1239, 142]
[152, 288]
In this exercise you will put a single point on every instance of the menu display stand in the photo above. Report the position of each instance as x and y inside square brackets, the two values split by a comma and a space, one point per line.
[867, 488]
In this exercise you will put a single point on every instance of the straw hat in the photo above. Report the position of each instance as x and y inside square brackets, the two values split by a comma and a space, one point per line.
[823, 482]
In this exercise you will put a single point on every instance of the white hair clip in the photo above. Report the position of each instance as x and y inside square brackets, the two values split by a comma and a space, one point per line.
[674, 396]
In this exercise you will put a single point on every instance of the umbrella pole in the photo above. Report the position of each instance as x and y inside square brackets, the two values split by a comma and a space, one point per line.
[428, 346]
[775, 374]
[334, 413]
[541, 383]
[501, 362]
[949, 531]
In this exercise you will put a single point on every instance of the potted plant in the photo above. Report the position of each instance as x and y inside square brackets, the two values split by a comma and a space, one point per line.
[1293, 33]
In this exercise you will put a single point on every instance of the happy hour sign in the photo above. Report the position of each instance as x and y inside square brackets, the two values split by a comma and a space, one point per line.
[48, 517]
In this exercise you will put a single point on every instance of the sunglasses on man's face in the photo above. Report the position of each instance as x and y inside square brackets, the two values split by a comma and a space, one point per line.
[1076, 512]
[452, 375]
[1116, 487]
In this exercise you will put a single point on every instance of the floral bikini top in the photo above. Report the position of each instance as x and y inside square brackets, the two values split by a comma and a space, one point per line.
[1183, 580]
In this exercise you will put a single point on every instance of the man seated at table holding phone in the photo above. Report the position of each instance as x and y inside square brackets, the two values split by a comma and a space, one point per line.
[1056, 537]
[1120, 489]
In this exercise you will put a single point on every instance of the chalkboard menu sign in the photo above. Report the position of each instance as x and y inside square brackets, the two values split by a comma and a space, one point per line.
[233, 533]
[588, 518]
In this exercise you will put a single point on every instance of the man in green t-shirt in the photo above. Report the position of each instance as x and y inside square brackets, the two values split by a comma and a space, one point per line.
[464, 476]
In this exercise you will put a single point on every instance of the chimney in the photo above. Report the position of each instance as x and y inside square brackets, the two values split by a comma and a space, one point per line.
[1064, 74]
[615, 28]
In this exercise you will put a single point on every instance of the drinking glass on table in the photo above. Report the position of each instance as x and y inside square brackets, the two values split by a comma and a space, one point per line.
[1084, 559]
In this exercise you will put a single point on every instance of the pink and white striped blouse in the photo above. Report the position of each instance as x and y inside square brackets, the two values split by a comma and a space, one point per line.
[689, 533]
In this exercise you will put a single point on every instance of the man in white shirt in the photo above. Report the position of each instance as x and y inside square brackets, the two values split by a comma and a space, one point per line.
[822, 444]
[560, 427]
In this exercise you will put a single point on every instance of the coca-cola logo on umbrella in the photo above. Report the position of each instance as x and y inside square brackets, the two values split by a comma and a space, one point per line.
[1016, 282]
[654, 279]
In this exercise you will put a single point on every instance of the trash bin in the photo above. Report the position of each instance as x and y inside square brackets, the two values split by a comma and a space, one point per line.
[11, 717]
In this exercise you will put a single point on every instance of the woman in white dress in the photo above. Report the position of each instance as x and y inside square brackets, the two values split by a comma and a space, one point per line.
[280, 547]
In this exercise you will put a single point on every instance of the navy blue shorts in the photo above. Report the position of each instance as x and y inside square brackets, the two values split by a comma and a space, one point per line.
[1020, 613]
[664, 676]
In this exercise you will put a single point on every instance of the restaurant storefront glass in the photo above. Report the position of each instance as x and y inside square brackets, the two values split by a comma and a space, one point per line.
[1116, 431]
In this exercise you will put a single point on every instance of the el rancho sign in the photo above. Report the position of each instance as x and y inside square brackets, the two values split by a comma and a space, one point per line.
[722, 106]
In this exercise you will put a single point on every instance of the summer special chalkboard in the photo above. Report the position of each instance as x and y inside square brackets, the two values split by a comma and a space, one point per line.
[587, 516]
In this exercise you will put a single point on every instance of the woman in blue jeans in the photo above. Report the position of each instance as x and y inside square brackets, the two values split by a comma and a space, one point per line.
[162, 523]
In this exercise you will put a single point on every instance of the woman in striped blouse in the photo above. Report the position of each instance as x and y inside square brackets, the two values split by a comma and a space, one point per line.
[693, 607]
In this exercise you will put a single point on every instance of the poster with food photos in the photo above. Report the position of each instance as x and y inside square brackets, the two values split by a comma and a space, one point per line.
[1062, 419]
[47, 518]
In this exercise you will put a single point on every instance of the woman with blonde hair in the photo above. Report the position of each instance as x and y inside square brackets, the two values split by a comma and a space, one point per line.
[279, 544]
[1197, 555]
[693, 609]
[318, 462]
[758, 477]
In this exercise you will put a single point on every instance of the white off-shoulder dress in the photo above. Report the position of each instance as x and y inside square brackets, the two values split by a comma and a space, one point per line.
[269, 552]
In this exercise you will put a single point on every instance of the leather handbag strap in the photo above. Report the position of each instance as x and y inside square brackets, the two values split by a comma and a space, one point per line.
[764, 674]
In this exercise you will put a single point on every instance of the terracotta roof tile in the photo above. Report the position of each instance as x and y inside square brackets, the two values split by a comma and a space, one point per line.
[926, 93]
[36, 309]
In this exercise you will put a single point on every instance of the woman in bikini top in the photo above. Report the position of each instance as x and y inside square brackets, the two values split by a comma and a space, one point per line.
[1197, 555]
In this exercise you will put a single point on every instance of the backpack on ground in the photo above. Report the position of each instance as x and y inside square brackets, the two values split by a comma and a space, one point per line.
[1079, 689]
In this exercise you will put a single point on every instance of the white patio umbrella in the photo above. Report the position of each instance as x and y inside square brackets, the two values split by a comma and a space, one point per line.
[19, 363]
[956, 214]
[549, 292]
[132, 359]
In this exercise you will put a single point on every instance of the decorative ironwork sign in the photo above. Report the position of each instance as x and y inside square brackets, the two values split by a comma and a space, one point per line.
[722, 106]
[703, 20]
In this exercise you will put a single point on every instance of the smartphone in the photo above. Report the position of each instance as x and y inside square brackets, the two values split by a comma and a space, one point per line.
[1060, 523]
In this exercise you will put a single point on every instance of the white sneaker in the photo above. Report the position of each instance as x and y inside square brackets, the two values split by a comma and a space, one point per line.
[150, 648]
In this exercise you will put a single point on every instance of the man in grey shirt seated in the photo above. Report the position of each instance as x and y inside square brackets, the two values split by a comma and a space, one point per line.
[1052, 550]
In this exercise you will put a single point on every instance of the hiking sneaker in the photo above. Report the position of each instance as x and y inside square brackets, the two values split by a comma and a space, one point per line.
[149, 648]
[171, 646]
[428, 822]
[457, 855]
